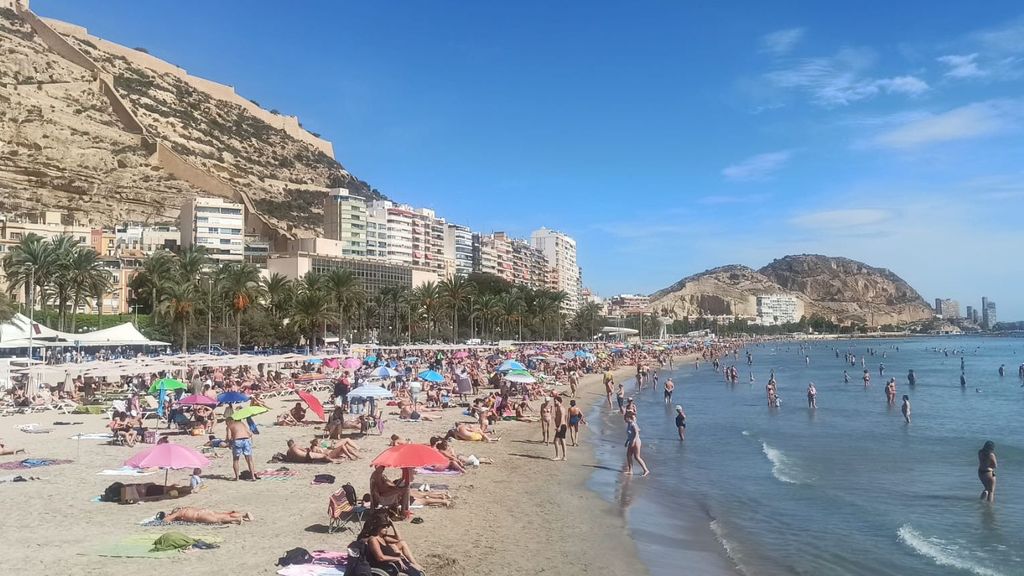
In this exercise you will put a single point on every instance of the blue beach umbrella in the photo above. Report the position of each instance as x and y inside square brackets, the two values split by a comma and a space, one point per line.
[371, 359]
[430, 376]
[314, 361]
[232, 398]
[510, 365]
[384, 372]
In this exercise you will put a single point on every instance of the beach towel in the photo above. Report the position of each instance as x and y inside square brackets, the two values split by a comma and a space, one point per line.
[278, 474]
[104, 436]
[153, 522]
[140, 545]
[312, 570]
[126, 471]
[438, 472]
[33, 429]
[31, 463]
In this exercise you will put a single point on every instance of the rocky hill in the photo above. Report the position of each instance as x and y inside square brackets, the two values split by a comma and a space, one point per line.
[65, 142]
[843, 290]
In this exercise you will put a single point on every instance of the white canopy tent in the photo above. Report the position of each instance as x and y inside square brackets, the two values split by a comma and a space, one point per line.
[20, 332]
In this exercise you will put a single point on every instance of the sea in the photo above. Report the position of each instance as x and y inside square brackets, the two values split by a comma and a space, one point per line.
[846, 488]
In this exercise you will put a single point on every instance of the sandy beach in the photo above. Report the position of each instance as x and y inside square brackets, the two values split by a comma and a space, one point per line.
[524, 514]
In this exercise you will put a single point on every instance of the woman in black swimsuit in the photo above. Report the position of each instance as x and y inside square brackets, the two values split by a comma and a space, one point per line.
[987, 471]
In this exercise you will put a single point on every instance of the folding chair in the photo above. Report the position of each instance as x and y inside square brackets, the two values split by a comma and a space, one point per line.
[343, 508]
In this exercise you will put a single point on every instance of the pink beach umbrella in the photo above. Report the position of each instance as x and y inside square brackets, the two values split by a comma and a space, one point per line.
[351, 363]
[197, 400]
[460, 354]
[332, 363]
[168, 456]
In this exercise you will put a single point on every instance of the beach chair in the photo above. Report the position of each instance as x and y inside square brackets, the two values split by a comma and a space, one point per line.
[342, 508]
[150, 408]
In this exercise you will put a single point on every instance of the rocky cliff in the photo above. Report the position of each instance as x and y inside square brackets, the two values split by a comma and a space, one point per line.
[843, 290]
[62, 145]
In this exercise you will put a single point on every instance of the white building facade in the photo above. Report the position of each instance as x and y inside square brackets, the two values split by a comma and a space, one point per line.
[774, 309]
[560, 251]
[216, 224]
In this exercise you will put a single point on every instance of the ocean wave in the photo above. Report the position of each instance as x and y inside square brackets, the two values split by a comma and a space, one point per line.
[727, 546]
[745, 432]
[781, 466]
[940, 552]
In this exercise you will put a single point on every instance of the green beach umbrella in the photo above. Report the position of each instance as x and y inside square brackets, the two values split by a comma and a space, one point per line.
[247, 412]
[167, 384]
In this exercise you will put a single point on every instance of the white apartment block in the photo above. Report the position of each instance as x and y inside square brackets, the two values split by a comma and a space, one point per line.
[398, 223]
[345, 220]
[216, 224]
[560, 251]
[458, 248]
[773, 309]
[160, 238]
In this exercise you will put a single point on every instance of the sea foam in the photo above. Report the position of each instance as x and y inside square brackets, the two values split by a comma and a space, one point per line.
[940, 552]
[781, 466]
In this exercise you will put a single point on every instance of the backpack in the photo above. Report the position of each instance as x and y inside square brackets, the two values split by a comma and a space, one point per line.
[350, 494]
[295, 556]
[357, 564]
[323, 479]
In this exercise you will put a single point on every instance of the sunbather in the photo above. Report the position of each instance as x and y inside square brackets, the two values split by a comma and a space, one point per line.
[344, 448]
[521, 416]
[293, 417]
[122, 429]
[470, 433]
[5, 451]
[302, 455]
[204, 516]
[408, 413]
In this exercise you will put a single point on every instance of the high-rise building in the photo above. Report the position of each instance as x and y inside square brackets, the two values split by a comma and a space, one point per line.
[560, 252]
[774, 309]
[216, 224]
[624, 305]
[398, 224]
[970, 314]
[458, 247]
[345, 218]
[948, 309]
[988, 314]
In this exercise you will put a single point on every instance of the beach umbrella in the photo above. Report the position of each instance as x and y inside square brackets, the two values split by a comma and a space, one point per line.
[568, 355]
[384, 372]
[510, 365]
[168, 456]
[197, 400]
[167, 384]
[411, 359]
[460, 354]
[520, 376]
[351, 363]
[410, 456]
[430, 376]
[494, 357]
[371, 359]
[231, 397]
[248, 412]
[314, 361]
[332, 363]
[313, 403]
[370, 391]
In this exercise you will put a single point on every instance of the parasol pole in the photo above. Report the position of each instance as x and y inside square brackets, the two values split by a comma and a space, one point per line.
[407, 495]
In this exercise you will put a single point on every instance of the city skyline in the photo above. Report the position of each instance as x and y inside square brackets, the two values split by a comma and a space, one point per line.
[809, 131]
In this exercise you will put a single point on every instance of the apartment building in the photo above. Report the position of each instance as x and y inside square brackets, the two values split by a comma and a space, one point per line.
[345, 220]
[560, 252]
[216, 224]
[458, 248]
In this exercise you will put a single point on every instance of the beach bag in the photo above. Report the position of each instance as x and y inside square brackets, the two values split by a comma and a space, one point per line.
[295, 556]
[350, 494]
[357, 564]
[323, 479]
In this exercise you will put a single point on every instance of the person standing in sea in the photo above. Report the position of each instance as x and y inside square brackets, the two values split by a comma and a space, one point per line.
[669, 387]
[911, 378]
[905, 409]
[846, 377]
[681, 421]
[812, 396]
[633, 445]
[987, 471]
[866, 377]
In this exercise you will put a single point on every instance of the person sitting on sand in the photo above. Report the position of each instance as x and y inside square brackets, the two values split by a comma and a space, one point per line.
[5, 451]
[521, 409]
[303, 456]
[383, 491]
[470, 433]
[387, 551]
[122, 429]
[293, 417]
[204, 516]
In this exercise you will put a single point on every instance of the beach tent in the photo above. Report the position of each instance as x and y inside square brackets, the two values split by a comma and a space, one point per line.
[16, 333]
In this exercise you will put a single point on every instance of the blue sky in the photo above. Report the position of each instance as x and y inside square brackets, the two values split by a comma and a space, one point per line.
[667, 137]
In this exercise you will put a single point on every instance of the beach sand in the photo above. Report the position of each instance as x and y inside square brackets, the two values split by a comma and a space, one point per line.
[524, 514]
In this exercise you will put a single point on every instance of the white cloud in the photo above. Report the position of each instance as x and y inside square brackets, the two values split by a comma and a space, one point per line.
[841, 79]
[962, 65]
[839, 220]
[781, 42]
[976, 120]
[758, 167]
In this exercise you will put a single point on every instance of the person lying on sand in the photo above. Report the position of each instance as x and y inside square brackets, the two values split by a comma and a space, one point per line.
[470, 433]
[303, 456]
[204, 516]
[408, 413]
[345, 448]
[458, 461]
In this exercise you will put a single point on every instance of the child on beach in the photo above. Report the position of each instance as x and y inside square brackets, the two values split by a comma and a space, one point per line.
[196, 481]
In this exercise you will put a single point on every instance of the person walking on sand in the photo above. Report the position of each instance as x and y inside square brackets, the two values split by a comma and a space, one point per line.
[669, 387]
[575, 419]
[545, 421]
[574, 382]
[906, 408]
[240, 438]
[633, 445]
[987, 471]
[681, 422]
[812, 396]
[560, 427]
[609, 381]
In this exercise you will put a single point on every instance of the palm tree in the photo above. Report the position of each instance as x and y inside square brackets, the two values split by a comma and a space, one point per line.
[191, 263]
[178, 306]
[429, 297]
[97, 287]
[87, 276]
[488, 307]
[158, 269]
[342, 285]
[240, 284]
[309, 308]
[512, 308]
[29, 265]
[277, 289]
[456, 291]
[7, 311]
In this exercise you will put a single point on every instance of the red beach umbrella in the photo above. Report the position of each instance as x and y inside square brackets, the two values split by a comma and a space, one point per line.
[410, 456]
[313, 403]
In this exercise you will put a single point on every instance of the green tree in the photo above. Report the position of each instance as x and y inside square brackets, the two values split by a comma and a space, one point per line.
[456, 292]
[277, 291]
[343, 286]
[429, 297]
[178, 306]
[240, 284]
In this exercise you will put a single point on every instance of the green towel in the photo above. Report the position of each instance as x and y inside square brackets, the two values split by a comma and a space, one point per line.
[172, 541]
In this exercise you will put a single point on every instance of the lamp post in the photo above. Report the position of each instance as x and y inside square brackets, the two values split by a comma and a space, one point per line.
[31, 307]
[209, 316]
